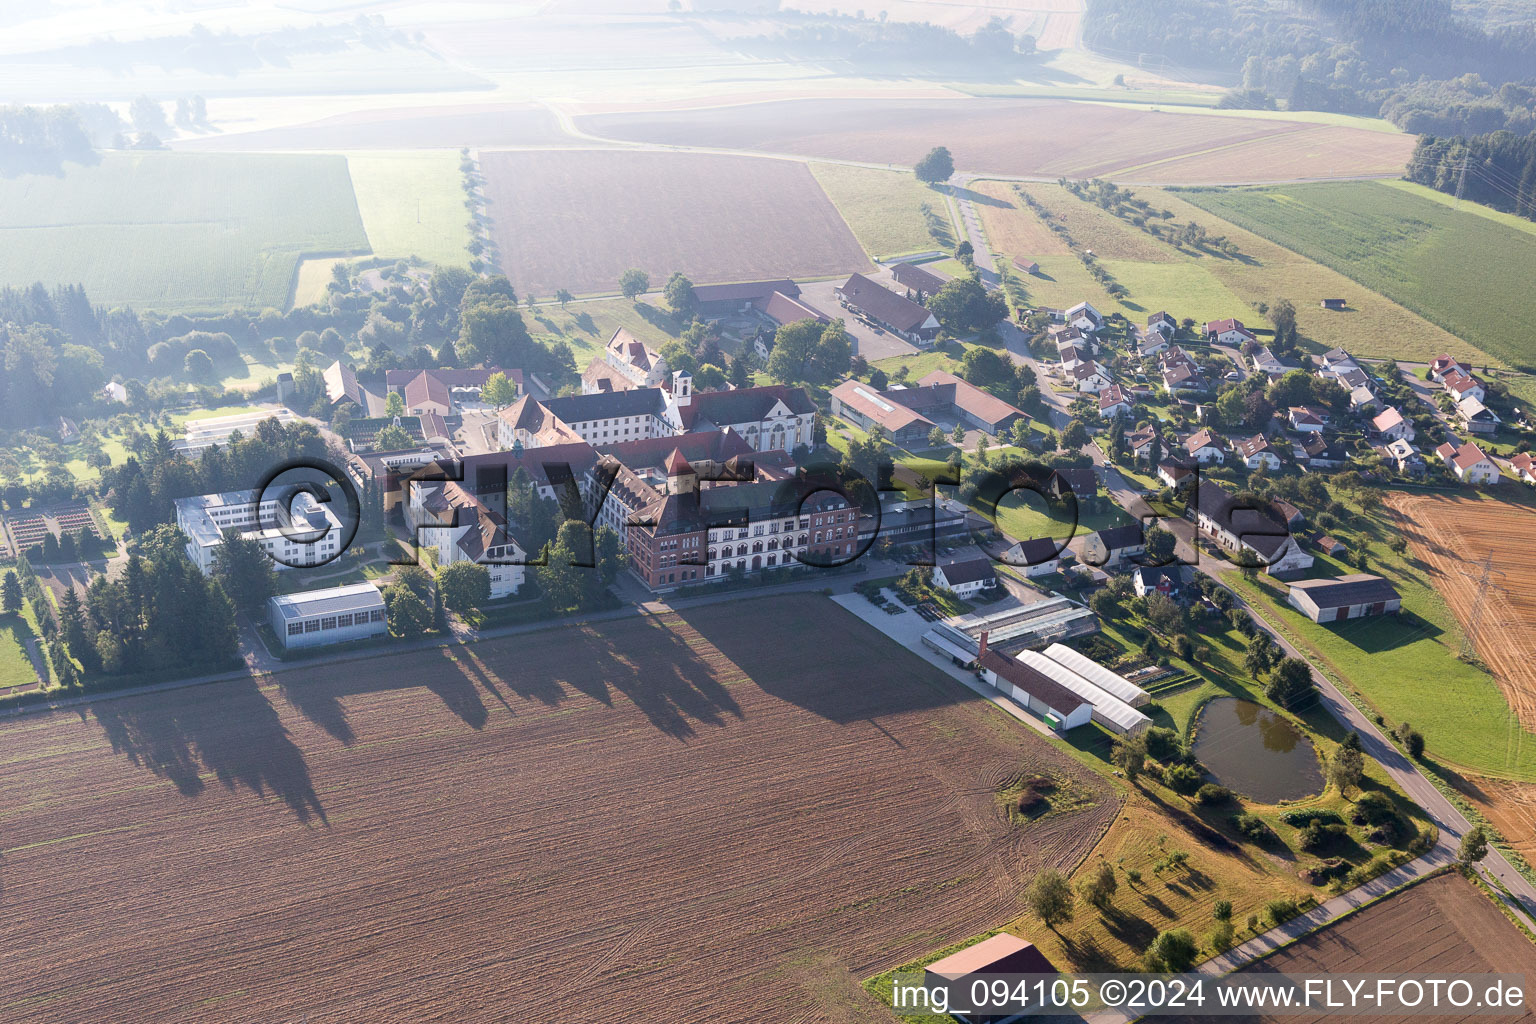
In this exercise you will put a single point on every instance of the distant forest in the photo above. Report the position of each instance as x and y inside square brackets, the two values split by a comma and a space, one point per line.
[1501, 169]
[1418, 63]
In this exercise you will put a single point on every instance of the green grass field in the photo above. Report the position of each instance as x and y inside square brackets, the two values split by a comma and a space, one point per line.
[1434, 260]
[15, 666]
[412, 205]
[881, 207]
[586, 326]
[179, 232]
[1407, 667]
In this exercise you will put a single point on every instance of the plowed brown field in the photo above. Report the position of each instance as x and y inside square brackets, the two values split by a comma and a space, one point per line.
[1439, 927]
[733, 813]
[1027, 137]
[577, 219]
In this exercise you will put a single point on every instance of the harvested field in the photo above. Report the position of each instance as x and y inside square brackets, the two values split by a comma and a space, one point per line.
[1453, 536]
[1439, 927]
[1004, 136]
[401, 128]
[661, 815]
[577, 219]
[1013, 228]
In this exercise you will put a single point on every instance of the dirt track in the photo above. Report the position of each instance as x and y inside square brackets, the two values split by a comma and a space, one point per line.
[623, 821]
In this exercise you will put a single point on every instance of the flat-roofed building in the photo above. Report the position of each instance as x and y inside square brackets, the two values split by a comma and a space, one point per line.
[297, 534]
[332, 616]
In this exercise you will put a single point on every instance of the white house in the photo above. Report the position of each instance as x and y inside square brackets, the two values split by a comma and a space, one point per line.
[296, 533]
[1264, 361]
[1112, 547]
[1524, 466]
[1085, 318]
[1228, 332]
[1444, 364]
[447, 516]
[1113, 402]
[965, 577]
[1205, 447]
[1256, 451]
[1470, 464]
[1362, 399]
[112, 391]
[1392, 425]
[1462, 386]
[333, 616]
[1091, 377]
[1259, 534]
[1304, 420]
[1039, 556]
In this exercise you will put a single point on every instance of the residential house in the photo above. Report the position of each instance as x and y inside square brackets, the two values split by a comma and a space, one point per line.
[1161, 323]
[1151, 343]
[1072, 356]
[1254, 533]
[1362, 400]
[1113, 402]
[1205, 447]
[113, 391]
[1463, 385]
[1147, 580]
[1391, 425]
[1469, 463]
[1114, 546]
[1140, 442]
[1085, 318]
[897, 313]
[1304, 420]
[1228, 332]
[1524, 465]
[1405, 457]
[1039, 556]
[1318, 453]
[1174, 474]
[1477, 417]
[1266, 362]
[1079, 481]
[1352, 378]
[1256, 451]
[1182, 377]
[1443, 364]
[965, 577]
[1347, 597]
[1090, 377]
[921, 285]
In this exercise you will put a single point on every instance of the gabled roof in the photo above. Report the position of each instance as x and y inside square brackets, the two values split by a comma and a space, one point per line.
[1205, 437]
[1258, 527]
[967, 570]
[1087, 369]
[1116, 537]
[1138, 439]
[584, 408]
[897, 311]
[632, 352]
[1461, 383]
[1356, 588]
[1039, 550]
[912, 276]
[1112, 396]
[1302, 416]
[742, 405]
[1387, 419]
[1001, 954]
[874, 405]
[1175, 470]
[1248, 447]
[744, 291]
[1161, 316]
[1033, 682]
[427, 387]
[785, 310]
[966, 397]
[717, 446]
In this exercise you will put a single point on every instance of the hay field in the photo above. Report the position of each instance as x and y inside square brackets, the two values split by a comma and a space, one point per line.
[650, 813]
[577, 219]
[1021, 136]
[412, 204]
[882, 208]
[178, 232]
[1431, 259]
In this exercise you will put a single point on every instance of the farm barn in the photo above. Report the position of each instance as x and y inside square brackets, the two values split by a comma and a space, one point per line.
[1346, 597]
[1109, 711]
[1062, 709]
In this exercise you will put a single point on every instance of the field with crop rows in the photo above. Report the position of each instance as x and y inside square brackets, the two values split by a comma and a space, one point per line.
[1429, 258]
[740, 810]
[178, 231]
[1438, 927]
[576, 219]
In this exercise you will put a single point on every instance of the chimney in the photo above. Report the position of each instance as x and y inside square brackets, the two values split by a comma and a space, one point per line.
[982, 652]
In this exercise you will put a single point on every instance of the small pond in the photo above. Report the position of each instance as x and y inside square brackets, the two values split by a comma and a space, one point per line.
[1255, 752]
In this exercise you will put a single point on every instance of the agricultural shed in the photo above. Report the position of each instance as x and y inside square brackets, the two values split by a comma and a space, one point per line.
[1111, 682]
[1109, 711]
[1347, 597]
[1062, 709]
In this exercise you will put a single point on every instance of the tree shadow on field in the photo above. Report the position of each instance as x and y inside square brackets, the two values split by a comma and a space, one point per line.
[228, 729]
[318, 696]
[657, 671]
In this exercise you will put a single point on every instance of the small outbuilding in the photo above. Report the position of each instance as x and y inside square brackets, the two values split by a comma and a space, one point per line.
[1333, 303]
[1346, 597]
[332, 616]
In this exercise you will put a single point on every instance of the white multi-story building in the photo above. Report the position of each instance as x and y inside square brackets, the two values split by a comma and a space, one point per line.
[447, 517]
[297, 533]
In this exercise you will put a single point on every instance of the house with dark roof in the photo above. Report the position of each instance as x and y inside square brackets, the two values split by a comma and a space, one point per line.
[921, 285]
[1163, 323]
[1477, 417]
[1347, 597]
[896, 313]
[965, 577]
[598, 419]
[1317, 452]
[1251, 531]
[1114, 546]
[1090, 377]
[1079, 481]
[1038, 556]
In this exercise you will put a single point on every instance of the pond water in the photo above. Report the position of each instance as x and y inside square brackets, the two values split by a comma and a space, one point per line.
[1255, 752]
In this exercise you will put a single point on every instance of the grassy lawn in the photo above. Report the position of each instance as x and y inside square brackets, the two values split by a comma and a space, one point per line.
[412, 204]
[881, 207]
[15, 666]
[1416, 251]
[587, 326]
[179, 232]
[1187, 288]
[1407, 667]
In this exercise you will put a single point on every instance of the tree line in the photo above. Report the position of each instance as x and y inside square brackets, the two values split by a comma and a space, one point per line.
[1500, 169]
